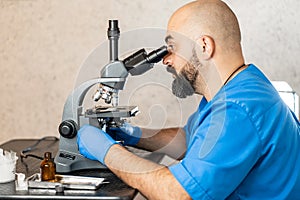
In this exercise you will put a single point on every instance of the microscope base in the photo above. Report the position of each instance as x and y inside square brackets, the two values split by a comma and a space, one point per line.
[68, 162]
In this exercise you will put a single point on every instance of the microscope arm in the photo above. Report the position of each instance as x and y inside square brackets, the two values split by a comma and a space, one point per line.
[73, 106]
[68, 158]
[76, 98]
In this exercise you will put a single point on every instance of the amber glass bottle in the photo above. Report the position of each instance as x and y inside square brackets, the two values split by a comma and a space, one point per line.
[47, 168]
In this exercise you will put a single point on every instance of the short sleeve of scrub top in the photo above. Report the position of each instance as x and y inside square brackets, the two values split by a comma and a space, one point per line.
[214, 156]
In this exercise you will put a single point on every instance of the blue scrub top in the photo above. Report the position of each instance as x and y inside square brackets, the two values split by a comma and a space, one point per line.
[243, 144]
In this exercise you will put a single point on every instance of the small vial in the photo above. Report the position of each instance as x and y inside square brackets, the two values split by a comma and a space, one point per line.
[47, 168]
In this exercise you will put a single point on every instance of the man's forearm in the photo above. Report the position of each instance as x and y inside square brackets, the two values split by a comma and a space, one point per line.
[144, 175]
[170, 141]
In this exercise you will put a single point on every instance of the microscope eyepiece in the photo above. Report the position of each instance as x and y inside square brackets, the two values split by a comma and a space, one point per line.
[113, 34]
[158, 54]
[113, 27]
[140, 62]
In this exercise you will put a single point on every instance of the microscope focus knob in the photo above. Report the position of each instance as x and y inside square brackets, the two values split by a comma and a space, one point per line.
[68, 129]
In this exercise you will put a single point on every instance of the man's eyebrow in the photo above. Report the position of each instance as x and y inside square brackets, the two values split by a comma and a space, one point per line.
[169, 37]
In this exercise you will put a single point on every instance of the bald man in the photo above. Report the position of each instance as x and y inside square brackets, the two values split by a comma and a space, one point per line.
[242, 142]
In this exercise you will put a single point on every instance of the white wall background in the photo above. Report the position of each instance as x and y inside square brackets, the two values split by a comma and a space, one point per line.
[43, 44]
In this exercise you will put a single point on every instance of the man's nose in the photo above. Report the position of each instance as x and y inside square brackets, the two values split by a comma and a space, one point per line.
[167, 60]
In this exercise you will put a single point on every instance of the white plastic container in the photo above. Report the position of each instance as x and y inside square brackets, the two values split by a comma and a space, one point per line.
[7, 169]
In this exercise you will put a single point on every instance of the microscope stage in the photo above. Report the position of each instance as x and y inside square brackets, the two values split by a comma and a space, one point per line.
[119, 111]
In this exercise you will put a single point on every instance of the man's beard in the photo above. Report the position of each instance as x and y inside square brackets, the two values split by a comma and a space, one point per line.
[181, 87]
[184, 82]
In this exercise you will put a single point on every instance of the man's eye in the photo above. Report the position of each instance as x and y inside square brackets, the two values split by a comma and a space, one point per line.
[171, 48]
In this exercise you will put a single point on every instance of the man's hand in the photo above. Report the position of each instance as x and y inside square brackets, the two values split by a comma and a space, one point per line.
[146, 176]
[127, 133]
[94, 143]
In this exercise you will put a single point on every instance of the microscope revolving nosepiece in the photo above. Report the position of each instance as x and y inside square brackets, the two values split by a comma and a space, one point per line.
[105, 93]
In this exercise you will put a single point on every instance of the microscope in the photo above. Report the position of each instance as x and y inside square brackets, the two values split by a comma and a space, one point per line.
[112, 79]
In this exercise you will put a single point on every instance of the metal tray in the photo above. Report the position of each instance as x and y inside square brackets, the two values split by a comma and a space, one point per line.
[66, 182]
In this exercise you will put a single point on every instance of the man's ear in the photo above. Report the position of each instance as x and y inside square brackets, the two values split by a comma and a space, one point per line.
[206, 46]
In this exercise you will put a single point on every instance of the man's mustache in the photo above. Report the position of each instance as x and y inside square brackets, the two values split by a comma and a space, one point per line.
[172, 70]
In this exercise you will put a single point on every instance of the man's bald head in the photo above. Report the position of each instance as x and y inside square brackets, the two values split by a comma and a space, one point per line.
[208, 17]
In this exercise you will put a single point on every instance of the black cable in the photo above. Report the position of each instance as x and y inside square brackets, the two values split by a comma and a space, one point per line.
[33, 147]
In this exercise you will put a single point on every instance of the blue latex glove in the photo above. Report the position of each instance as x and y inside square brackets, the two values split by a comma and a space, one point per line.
[129, 134]
[93, 143]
